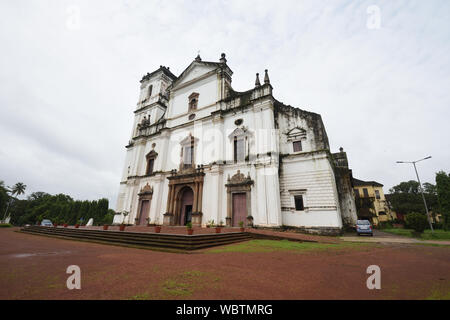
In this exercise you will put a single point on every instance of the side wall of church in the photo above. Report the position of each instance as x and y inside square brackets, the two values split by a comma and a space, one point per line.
[307, 173]
[312, 177]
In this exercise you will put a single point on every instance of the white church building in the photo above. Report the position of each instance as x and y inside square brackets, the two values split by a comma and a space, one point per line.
[202, 152]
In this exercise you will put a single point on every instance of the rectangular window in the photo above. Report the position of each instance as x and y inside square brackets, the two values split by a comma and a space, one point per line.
[150, 89]
[357, 193]
[188, 156]
[366, 193]
[377, 194]
[297, 146]
[299, 203]
[150, 164]
[239, 150]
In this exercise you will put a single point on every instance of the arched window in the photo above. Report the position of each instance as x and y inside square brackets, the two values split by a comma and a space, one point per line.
[193, 101]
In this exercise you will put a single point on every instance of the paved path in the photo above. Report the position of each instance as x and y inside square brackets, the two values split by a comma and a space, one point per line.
[385, 237]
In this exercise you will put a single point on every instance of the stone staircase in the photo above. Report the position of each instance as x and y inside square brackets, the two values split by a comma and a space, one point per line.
[145, 240]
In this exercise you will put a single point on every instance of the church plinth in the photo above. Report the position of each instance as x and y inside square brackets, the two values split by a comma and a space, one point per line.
[168, 219]
[197, 219]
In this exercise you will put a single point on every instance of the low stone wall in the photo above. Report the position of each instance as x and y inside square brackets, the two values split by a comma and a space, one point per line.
[322, 231]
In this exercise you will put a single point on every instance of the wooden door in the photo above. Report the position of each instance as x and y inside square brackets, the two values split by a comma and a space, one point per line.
[186, 203]
[239, 209]
[145, 209]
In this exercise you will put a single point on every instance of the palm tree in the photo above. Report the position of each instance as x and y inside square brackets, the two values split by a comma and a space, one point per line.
[17, 189]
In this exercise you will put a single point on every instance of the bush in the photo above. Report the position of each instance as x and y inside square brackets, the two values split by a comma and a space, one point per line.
[5, 225]
[416, 221]
[385, 225]
[438, 225]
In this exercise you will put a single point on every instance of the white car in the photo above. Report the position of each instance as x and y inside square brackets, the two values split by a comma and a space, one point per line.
[363, 227]
[46, 223]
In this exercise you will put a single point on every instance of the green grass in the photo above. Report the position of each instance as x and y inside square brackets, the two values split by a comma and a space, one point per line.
[440, 292]
[178, 289]
[439, 295]
[143, 296]
[5, 225]
[180, 286]
[286, 245]
[185, 284]
[438, 234]
[443, 245]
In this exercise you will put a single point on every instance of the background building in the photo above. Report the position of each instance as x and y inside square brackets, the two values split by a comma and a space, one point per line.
[370, 202]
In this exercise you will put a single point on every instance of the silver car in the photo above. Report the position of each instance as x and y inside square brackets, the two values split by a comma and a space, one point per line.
[363, 227]
[46, 223]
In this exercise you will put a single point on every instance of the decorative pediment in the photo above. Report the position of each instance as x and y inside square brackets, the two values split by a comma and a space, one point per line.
[147, 189]
[296, 133]
[239, 178]
[189, 140]
[196, 70]
[193, 95]
[239, 132]
[151, 154]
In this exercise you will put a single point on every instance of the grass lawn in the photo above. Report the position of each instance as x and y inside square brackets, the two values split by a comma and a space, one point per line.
[438, 234]
[285, 245]
[5, 225]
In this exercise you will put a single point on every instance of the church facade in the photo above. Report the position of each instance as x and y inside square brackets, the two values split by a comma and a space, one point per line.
[204, 153]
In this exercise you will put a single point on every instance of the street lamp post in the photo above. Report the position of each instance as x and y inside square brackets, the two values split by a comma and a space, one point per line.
[421, 189]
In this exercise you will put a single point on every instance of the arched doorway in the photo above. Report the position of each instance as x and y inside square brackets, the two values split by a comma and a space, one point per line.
[186, 203]
[191, 182]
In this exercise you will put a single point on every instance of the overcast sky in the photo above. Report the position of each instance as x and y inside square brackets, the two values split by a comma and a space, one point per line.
[377, 71]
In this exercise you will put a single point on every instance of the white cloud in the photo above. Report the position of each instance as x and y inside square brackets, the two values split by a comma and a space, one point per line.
[66, 96]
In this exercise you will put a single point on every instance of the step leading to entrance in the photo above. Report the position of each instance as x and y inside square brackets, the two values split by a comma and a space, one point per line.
[147, 240]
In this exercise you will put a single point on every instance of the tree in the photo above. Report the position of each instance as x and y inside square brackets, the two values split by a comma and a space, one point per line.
[408, 187]
[406, 197]
[3, 196]
[443, 194]
[417, 221]
[18, 189]
[84, 211]
[37, 195]
[103, 205]
[93, 213]
[430, 188]
[41, 205]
